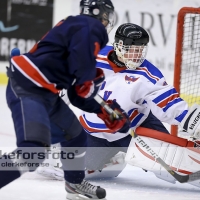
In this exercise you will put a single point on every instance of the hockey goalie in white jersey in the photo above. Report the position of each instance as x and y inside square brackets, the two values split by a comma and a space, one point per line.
[141, 90]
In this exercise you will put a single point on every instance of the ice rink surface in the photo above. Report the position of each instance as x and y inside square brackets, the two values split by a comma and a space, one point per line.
[132, 184]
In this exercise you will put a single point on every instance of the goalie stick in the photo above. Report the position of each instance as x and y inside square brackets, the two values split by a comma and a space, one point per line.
[180, 178]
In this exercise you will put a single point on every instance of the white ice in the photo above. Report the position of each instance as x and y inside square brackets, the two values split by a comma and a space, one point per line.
[132, 184]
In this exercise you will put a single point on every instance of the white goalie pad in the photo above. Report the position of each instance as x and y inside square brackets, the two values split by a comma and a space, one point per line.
[180, 154]
[110, 170]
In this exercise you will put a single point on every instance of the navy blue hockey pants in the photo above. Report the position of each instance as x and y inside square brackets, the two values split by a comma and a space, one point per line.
[34, 117]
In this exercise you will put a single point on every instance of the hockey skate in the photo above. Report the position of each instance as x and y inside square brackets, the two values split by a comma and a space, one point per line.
[84, 191]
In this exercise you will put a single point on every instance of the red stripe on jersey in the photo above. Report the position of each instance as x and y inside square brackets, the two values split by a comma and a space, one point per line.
[164, 103]
[33, 74]
[133, 115]
[34, 48]
[101, 58]
[144, 69]
[59, 23]
[85, 125]
[112, 65]
[97, 48]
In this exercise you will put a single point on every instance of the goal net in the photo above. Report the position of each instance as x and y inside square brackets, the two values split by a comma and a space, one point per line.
[187, 57]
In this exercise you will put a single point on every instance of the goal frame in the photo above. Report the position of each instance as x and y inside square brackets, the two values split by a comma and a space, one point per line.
[178, 51]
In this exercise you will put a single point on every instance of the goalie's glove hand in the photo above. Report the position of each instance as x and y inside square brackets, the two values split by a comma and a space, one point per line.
[191, 122]
[90, 88]
[121, 124]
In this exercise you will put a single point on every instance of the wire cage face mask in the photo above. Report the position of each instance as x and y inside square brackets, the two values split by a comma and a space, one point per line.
[132, 56]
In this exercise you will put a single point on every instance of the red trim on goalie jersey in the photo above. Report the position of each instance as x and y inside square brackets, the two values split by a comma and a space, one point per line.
[90, 129]
[152, 158]
[148, 73]
[104, 58]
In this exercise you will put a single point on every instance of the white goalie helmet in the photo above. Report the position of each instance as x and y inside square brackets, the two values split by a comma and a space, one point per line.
[130, 45]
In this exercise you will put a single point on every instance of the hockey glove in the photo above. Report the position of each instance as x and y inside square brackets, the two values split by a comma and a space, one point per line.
[90, 88]
[122, 124]
[191, 122]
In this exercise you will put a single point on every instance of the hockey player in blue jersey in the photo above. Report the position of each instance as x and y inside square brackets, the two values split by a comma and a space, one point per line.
[64, 58]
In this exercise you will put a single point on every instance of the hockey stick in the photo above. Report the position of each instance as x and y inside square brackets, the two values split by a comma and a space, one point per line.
[180, 178]
[108, 109]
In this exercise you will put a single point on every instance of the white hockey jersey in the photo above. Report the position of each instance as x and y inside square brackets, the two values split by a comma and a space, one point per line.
[137, 92]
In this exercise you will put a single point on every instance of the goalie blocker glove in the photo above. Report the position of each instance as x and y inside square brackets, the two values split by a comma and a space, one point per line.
[121, 124]
[191, 122]
[90, 88]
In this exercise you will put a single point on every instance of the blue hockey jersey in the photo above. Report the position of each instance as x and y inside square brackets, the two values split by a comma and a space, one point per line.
[65, 55]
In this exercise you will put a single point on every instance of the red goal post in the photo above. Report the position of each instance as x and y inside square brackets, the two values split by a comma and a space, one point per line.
[187, 57]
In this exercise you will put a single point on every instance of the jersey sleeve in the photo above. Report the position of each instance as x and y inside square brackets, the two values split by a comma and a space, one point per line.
[162, 99]
[90, 106]
[166, 104]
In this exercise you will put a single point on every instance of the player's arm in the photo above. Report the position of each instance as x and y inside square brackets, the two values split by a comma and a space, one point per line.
[122, 124]
[169, 107]
[90, 88]
[165, 103]
[87, 105]
[82, 60]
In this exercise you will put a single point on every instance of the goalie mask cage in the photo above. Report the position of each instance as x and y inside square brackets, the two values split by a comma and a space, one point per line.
[187, 57]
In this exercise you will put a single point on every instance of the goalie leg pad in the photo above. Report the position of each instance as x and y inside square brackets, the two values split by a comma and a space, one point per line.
[182, 159]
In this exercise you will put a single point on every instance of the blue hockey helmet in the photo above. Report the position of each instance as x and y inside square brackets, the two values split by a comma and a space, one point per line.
[102, 10]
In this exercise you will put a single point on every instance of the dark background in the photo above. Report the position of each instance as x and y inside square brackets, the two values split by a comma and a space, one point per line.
[34, 20]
